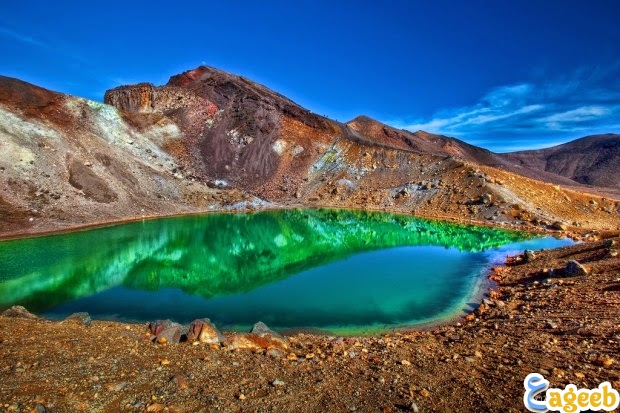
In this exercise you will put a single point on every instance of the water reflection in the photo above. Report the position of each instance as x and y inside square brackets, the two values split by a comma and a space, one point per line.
[213, 255]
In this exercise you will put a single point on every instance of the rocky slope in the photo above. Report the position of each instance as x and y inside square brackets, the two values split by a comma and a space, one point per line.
[67, 161]
[592, 160]
[209, 140]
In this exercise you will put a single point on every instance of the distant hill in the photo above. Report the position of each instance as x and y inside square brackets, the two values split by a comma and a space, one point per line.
[592, 160]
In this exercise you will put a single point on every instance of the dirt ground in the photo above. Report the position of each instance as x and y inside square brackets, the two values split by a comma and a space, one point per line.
[535, 320]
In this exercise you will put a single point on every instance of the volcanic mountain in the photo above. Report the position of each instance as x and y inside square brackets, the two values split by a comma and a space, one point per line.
[593, 160]
[209, 140]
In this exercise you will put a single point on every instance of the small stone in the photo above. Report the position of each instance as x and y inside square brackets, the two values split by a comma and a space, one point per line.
[241, 396]
[559, 226]
[274, 352]
[574, 269]
[309, 356]
[529, 256]
[277, 382]
[292, 357]
[155, 407]
[82, 318]
[405, 362]
[164, 362]
[486, 199]
[425, 393]
[39, 408]
[551, 325]
[414, 407]
[488, 302]
[609, 243]
[477, 354]
[180, 381]
[611, 253]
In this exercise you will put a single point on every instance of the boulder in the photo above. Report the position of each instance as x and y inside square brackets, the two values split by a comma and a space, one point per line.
[261, 330]
[166, 331]
[529, 255]
[204, 331]
[253, 341]
[18, 311]
[574, 269]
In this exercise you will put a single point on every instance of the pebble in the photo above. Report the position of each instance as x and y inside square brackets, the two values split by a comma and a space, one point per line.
[551, 325]
[405, 362]
[277, 382]
[425, 393]
[274, 352]
[180, 381]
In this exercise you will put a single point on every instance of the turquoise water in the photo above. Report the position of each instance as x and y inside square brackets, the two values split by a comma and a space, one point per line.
[331, 270]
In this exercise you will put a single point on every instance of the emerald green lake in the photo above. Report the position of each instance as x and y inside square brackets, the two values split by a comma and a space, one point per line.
[337, 271]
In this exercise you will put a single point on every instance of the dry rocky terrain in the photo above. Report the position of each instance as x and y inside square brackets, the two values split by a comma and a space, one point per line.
[538, 318]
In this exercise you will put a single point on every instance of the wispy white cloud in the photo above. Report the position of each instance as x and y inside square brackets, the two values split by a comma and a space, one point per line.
[21, 37]
[586, 102]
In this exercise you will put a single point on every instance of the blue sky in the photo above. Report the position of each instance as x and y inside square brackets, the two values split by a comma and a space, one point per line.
[505, 75]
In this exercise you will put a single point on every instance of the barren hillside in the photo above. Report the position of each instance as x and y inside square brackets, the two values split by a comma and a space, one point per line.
[209, 140]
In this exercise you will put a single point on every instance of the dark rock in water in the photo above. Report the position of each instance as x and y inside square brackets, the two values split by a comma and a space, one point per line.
[82, 317]
[204, 331]
[18, 311]
[574, 269]
[528, 255]
[166, 331]
[557, 225]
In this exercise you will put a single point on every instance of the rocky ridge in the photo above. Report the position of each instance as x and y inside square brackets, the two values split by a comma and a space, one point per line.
[209, 140]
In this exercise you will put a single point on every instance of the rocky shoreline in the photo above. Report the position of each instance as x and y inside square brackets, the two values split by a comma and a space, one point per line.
[540, 318]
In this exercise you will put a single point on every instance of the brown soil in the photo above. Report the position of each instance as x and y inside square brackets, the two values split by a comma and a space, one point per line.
[565, 328]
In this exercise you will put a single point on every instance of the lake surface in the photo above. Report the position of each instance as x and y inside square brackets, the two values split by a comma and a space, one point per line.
[338, 271]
